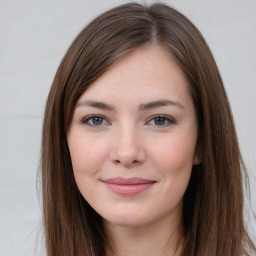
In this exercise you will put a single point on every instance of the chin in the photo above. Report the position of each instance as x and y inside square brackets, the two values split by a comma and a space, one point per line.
[132, 218]
[127, 222]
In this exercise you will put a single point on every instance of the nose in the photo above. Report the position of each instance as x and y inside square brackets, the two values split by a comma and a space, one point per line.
[127, 148]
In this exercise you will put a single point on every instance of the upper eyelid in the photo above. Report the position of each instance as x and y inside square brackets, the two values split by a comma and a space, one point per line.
[164, 116]
[88, 117]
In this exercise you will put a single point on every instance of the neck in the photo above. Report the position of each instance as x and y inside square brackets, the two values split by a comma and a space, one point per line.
[159, 239]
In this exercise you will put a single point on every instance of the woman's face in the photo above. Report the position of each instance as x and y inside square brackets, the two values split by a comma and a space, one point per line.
[132, 139]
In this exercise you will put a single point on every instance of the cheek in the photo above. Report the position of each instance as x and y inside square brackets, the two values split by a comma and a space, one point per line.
[174, 154]
[87, 155]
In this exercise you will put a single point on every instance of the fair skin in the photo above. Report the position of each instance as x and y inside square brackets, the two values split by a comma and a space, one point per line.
[132, 142]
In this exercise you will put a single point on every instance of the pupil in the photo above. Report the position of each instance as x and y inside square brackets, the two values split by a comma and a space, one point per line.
[97, 120]
[159, 121]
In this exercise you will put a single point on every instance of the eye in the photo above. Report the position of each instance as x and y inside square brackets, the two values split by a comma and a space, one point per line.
[94, 120]
[161, 120]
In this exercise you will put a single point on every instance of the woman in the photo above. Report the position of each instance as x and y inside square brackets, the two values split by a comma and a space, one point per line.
[139, 150]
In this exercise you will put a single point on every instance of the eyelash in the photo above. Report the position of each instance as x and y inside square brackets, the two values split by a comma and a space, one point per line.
[87, 119]
[167, 120]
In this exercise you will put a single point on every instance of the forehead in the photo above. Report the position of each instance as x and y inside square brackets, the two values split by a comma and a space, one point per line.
[145, 73]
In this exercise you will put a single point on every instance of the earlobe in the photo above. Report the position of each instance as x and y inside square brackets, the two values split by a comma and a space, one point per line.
[198, 152]
[197, 159]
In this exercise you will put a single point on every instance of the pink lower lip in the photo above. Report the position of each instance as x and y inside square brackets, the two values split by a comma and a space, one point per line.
[128, 189]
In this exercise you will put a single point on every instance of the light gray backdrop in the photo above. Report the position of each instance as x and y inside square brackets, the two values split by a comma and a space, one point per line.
[34, 36]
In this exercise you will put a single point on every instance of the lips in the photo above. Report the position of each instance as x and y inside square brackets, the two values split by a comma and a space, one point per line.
[128, 186]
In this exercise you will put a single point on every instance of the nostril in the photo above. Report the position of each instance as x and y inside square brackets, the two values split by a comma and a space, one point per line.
[127, 154]
[127, 163]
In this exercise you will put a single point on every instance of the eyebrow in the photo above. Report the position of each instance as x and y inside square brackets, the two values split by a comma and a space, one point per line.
[142, 107]
[160, 103]
[96, 104]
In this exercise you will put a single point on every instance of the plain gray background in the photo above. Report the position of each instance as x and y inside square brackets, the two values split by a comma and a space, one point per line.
[34, 36]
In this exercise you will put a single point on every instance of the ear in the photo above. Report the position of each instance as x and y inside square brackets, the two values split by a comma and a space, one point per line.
[196, 160]
[198, 152]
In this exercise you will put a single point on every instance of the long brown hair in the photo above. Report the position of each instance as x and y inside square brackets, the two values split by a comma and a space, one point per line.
[213, 202]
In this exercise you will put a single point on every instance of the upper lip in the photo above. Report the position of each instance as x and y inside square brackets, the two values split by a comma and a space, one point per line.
[128, 181]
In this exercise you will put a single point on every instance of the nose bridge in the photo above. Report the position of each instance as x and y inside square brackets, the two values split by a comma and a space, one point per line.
[127, 139]
[127, 148]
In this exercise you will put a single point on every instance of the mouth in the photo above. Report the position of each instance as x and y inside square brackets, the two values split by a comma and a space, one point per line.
[128, 186]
